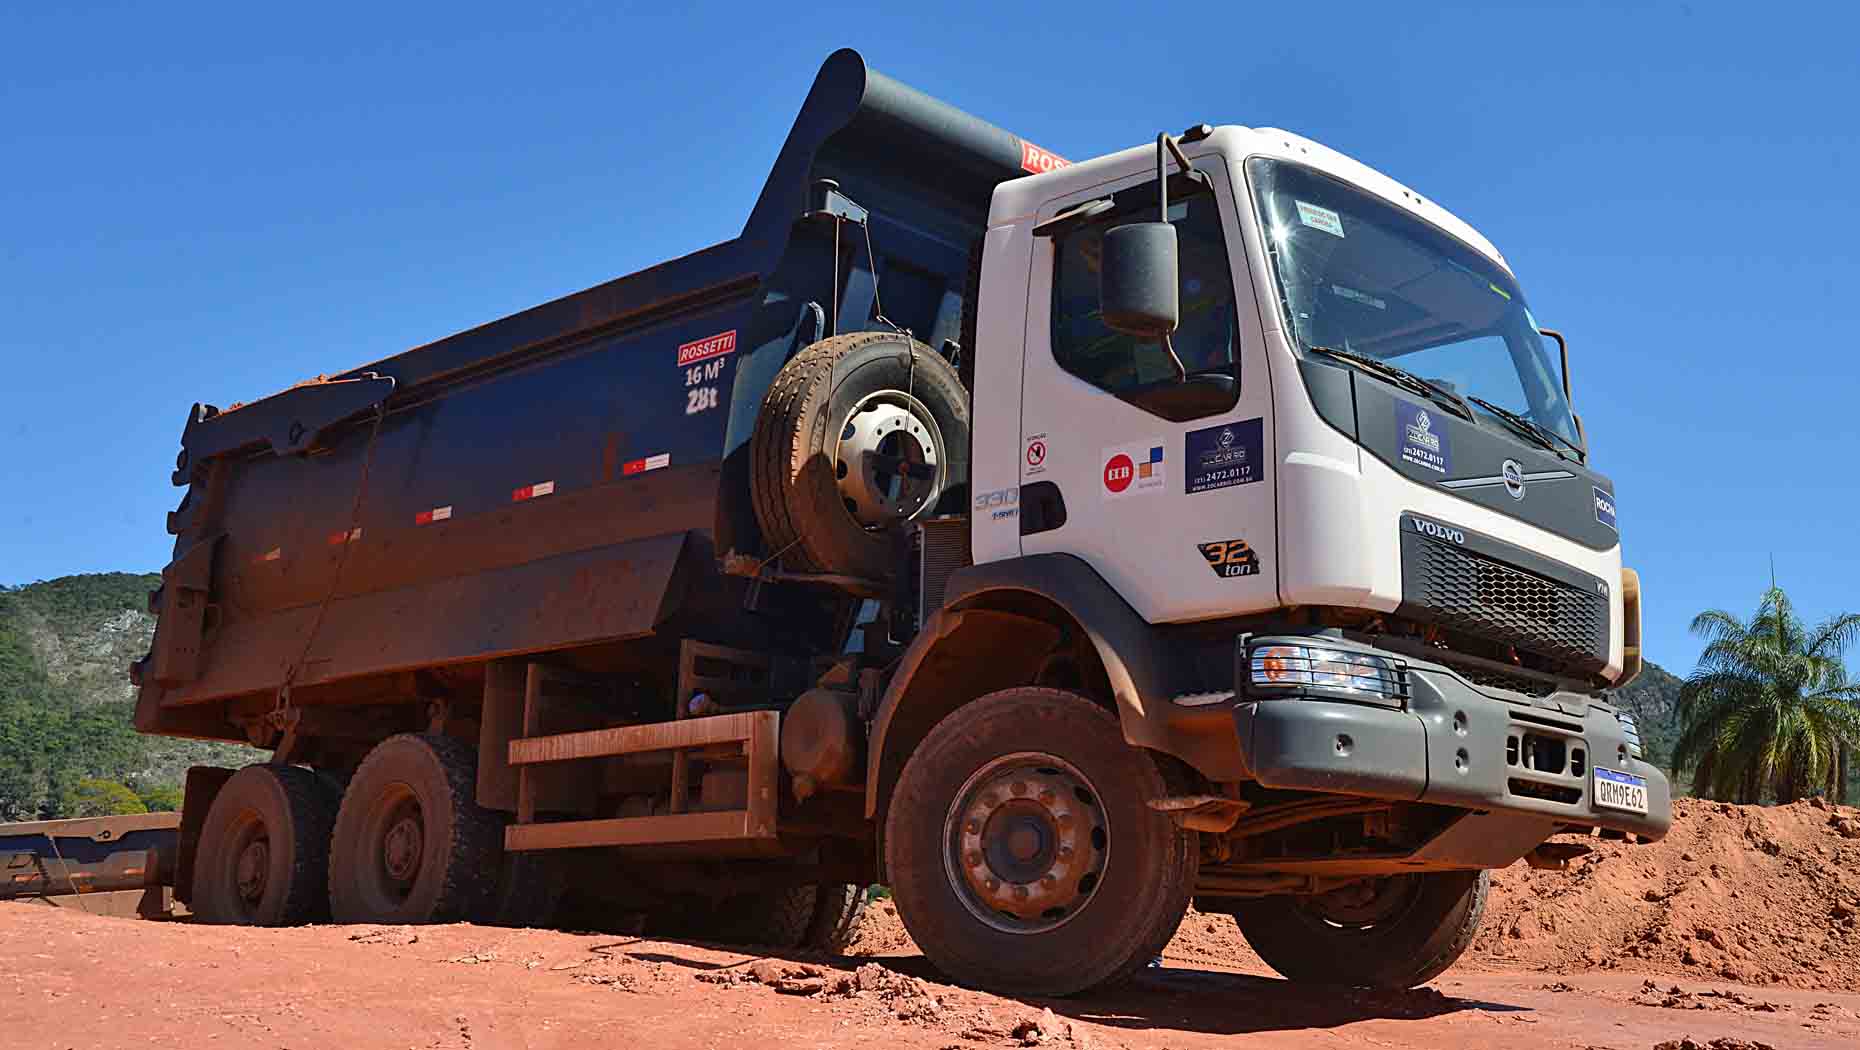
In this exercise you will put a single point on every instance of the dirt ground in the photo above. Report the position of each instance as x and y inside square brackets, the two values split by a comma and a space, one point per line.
[1736, 932]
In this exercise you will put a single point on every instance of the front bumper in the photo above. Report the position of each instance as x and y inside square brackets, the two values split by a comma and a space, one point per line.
[1451, 744]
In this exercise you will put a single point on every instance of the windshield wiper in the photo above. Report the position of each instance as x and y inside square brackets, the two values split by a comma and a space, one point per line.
[1529, 427]
[1400, 377]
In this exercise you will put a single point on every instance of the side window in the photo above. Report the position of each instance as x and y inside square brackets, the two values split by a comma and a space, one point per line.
[1207, 339]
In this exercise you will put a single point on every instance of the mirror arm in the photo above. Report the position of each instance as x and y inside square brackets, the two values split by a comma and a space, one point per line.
[1181, 370]
[1563, 349]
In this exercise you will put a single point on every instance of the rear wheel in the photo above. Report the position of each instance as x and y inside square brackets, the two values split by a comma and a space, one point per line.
[1022, 852]
[1394, 932]
[263, 858]
[411, 844]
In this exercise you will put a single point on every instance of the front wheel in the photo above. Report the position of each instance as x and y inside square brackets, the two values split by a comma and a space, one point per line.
[1394, 932]
[1022, 852]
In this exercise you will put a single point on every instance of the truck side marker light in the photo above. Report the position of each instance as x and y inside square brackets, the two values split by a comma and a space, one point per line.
[640, 466]
[271, 555]
[427, 517]
[541, 488]
[336, 539]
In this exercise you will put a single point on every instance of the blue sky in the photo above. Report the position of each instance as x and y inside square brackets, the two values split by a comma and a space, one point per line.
[209, 204]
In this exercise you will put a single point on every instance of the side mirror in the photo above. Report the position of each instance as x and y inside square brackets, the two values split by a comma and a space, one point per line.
[1138, 281]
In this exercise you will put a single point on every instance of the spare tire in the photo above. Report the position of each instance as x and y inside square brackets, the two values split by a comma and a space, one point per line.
[859, 434]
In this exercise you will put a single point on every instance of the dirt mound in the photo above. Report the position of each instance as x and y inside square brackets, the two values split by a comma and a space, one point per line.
[1758, 895]
[1747, 893]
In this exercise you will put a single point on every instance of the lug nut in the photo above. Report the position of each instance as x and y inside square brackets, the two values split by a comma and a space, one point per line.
[974, 859]
[1020, 893]
[1019, 788]
[993, 884]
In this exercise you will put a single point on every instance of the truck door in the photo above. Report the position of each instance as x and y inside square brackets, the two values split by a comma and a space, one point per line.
[1164, 487]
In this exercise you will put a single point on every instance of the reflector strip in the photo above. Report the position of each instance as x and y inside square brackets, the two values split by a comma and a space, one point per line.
[640, 466]
[345, 537]
[427, 517]
[541, 488]
[271, 555]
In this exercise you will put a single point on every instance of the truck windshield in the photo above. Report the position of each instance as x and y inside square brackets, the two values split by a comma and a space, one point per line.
[1356, 273]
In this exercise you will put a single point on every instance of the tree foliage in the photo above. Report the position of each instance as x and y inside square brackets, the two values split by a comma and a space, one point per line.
[58, 736]
[1769, 710]
[97, 797]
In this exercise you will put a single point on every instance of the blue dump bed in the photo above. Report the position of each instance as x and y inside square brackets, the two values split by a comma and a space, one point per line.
[566, 478]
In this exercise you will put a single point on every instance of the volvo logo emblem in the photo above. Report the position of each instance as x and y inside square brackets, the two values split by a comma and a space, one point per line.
[1437, 531]
[1513, 473]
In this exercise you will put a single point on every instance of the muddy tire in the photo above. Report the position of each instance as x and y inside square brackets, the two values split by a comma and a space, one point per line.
[1397, 932]
[857, 435]
[530, 886]
[263, 858]
[839, 908]
[411, 844]
[1022, 853]
[778, 918]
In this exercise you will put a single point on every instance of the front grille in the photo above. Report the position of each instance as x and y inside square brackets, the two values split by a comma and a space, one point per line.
[1467, 591]
[1516, 683]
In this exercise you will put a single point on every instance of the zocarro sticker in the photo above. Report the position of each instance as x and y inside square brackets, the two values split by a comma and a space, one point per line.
[1224, 456]
[1605, 507]
[704, 349]
[1132, 469]
[1230, 558]
[1422, 443]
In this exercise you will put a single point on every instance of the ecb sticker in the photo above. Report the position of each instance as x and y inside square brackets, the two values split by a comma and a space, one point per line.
[1223, 456]
[1421, 443]
[704, 349]
[1605, 507]
[1230, 558]
[1131, 469]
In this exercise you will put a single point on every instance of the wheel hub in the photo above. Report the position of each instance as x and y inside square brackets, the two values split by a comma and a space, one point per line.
[401, 849]
[1027, 843]
[888, 460]
[251, 870]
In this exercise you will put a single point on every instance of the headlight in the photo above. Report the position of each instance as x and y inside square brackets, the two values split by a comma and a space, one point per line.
[1313, 666]
[1631, 730]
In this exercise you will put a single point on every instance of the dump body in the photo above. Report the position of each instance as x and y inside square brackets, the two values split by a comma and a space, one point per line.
[569, 476]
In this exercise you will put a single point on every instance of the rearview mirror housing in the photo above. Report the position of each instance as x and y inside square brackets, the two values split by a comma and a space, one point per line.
[1138, 280]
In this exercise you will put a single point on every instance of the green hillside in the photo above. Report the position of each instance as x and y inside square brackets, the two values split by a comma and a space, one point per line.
[66, 739]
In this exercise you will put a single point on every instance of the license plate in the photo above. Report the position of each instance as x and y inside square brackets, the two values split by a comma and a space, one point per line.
[1616, 790]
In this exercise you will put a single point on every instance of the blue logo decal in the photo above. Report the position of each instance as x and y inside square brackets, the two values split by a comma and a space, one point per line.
[1605, 507]
[1224, 456]
[1423, 442]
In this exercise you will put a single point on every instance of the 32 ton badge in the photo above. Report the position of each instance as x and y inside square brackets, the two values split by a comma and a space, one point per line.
[1230, 558]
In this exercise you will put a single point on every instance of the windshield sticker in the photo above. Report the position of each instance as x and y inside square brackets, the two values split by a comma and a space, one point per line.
[1133, 469]
[1224, 456]
[1355, 296]
[1605, 507]
[1320, 218]
[1421, 444]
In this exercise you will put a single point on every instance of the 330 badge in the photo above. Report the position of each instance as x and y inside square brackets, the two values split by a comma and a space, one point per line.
[1230, 558]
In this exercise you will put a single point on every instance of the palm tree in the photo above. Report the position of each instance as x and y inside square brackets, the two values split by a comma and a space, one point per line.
[1769, 706]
